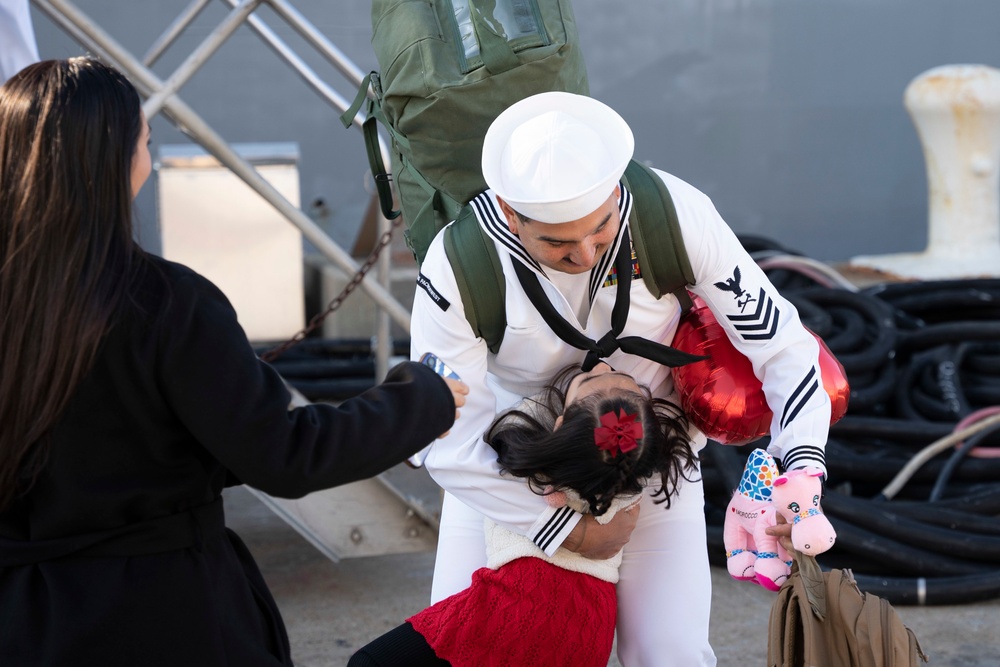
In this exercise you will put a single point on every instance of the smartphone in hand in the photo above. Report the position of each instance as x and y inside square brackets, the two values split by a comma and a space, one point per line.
[441, 368]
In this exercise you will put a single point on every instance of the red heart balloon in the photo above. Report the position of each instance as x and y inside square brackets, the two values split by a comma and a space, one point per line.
[721, 395]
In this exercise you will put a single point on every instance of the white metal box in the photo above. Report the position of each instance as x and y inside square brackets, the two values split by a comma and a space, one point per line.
[214, 223]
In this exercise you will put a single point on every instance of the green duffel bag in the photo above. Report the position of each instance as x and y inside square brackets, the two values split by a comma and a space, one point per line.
[447, 69]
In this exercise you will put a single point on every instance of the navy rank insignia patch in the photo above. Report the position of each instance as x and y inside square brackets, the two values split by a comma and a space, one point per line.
[761, 322]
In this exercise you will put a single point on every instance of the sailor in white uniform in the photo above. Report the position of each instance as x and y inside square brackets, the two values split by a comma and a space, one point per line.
[553, 163]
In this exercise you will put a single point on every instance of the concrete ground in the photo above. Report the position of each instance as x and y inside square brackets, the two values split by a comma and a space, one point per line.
[331, 609]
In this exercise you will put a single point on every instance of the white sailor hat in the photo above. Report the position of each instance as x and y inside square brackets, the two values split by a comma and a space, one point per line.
[556, 157]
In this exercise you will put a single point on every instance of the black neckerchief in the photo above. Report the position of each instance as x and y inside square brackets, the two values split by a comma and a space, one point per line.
[609, 343]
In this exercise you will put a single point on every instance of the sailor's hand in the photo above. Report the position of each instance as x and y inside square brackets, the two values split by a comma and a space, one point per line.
[599, 541]
[783, 531]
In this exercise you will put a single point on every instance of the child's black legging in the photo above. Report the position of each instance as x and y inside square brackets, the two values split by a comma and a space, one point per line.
[400, 647]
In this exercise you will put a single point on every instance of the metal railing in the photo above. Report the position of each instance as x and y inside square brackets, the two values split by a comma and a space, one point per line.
[162, 96]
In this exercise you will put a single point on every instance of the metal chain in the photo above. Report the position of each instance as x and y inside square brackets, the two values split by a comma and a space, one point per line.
[317, 320]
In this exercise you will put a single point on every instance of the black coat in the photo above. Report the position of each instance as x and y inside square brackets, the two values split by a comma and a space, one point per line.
[118, 555]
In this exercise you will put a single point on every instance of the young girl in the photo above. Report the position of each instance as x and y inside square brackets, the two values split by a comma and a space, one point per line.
[594, 441]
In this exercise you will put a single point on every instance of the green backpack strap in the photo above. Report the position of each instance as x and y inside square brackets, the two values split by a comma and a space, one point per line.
[369, 129]
[659, 246]
[438, 208]
[472, 256]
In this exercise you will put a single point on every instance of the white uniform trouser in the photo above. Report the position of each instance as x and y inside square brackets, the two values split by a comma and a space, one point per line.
[17, 38]
[665, 589]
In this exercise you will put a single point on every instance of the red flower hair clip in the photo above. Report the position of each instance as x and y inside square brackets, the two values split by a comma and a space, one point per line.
[618, 432]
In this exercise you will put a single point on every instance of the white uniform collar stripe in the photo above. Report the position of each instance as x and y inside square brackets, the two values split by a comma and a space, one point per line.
[495, 224]
[600, 272]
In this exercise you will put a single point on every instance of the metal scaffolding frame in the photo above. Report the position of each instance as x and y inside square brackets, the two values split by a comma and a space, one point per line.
[162, 96]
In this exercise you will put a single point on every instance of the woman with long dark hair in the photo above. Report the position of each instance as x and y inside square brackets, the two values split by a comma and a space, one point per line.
[130, 396]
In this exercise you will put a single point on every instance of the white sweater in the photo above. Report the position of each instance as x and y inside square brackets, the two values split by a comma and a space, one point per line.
[503, 546]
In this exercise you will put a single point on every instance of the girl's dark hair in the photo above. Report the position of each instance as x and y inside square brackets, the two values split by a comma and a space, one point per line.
[68, 134]
[568, 457]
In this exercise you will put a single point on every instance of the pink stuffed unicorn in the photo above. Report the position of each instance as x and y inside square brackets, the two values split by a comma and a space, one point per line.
[752, 554]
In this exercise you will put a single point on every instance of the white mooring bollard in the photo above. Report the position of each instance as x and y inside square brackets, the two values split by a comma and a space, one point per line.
[956, 109]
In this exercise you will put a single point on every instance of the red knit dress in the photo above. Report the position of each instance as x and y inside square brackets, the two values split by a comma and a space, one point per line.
[528, 613]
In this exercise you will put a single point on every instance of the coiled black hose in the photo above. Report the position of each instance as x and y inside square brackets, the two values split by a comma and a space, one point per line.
[882, 520]
[938, 590]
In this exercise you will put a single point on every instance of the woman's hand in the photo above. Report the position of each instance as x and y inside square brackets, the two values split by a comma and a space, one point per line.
[459, 390]
[602, 541]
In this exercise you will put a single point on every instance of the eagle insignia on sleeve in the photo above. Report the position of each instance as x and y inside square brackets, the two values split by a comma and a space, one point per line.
[759, 324]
